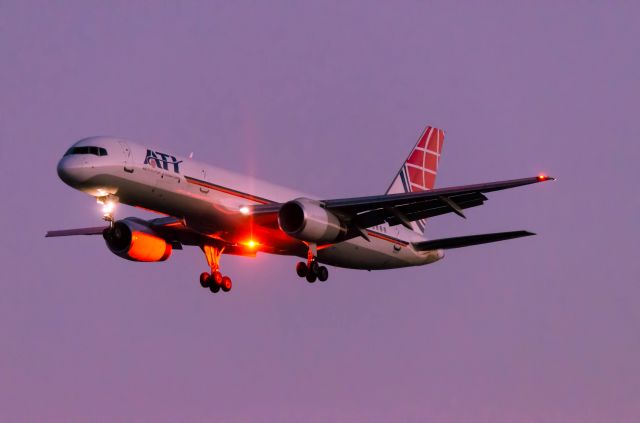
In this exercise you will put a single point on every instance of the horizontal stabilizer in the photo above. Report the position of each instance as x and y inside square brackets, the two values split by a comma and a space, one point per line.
[96, 230]
[467, 241]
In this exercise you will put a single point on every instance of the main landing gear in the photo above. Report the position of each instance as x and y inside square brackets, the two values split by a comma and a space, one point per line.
[311, 270]
[214, 280]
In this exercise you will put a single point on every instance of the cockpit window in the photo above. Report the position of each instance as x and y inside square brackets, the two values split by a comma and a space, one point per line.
[96, 151]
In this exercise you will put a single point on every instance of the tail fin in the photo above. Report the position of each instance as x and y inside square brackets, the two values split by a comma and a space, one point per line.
[418, 172]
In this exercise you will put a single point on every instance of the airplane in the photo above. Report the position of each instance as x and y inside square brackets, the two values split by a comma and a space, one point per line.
[223, 212]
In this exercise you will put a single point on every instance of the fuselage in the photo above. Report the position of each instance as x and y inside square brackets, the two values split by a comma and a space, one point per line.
[157, 180]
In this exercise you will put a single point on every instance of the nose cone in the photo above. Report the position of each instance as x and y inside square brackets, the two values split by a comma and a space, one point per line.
[72, 172]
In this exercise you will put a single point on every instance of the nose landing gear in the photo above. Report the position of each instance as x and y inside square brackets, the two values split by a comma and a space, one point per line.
[214, 281]
[312, 270]
[108, 203]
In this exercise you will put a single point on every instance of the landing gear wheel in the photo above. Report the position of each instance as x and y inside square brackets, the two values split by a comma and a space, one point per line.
[323, 274]
[314, 267]
[214, 281]
[226, 284]
[311, 277]
[204, 280]
[301, 269]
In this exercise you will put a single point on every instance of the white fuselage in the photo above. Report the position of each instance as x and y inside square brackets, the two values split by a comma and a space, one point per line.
[159, 181]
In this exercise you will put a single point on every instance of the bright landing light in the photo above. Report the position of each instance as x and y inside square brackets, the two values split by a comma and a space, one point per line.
[107, 207]
[244, 210]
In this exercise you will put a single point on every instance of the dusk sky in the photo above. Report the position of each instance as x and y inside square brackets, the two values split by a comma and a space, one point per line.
[328, 98]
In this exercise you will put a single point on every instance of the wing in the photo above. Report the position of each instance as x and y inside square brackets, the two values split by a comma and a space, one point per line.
[364, 212]
[178, 232]
[95, 230]
[160, 224]
[171, 228]
[467, 241]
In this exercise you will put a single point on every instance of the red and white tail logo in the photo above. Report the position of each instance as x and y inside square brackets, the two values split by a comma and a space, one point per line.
[418, 173]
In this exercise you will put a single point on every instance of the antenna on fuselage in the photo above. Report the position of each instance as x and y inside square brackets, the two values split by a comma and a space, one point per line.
[191, 155]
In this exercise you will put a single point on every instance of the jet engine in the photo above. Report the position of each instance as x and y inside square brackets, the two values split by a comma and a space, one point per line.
[308, 221]
[135, 241]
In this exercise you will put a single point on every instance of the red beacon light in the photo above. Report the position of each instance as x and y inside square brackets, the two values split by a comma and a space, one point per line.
[542, 177]
[251, 244]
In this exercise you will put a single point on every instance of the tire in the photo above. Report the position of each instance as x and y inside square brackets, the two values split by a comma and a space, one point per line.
[323, 274]
[314, 267]
[226, 284]
[311, 277]
[302, 269]
[204, 280]
[214, 288]
[217, 278]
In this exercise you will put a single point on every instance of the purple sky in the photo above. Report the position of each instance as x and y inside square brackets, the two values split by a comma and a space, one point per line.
[328, 99]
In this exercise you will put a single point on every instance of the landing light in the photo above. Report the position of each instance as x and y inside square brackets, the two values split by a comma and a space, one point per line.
[107, 207]
[244, 210]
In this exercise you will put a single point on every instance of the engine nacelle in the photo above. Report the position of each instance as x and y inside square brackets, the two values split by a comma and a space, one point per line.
[135, 241]
[307, 220]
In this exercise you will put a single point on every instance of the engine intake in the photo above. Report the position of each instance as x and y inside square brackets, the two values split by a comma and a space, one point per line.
[307, 220]
[133, 240]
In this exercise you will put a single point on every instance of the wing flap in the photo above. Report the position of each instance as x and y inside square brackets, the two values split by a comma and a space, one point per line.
[418, 211]
[467, 241]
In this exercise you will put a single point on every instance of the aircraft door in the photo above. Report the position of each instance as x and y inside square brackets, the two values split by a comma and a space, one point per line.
[126, 154]
[203, 176]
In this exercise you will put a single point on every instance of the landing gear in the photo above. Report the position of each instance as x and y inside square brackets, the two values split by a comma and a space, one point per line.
[108, 203]
[214, 281]
[311, 270]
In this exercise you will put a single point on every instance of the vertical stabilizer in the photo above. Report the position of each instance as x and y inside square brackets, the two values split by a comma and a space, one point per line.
[418, 172]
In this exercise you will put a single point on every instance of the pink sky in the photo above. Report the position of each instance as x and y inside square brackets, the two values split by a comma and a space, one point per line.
[328, 98]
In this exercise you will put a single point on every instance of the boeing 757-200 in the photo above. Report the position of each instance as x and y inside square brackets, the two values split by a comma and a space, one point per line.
[227, 213]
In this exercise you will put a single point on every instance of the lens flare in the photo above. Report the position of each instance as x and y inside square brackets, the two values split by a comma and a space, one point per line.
[251, 244]
[108, 207]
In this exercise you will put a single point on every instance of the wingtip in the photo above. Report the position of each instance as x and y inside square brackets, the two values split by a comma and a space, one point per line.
[543, 178]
